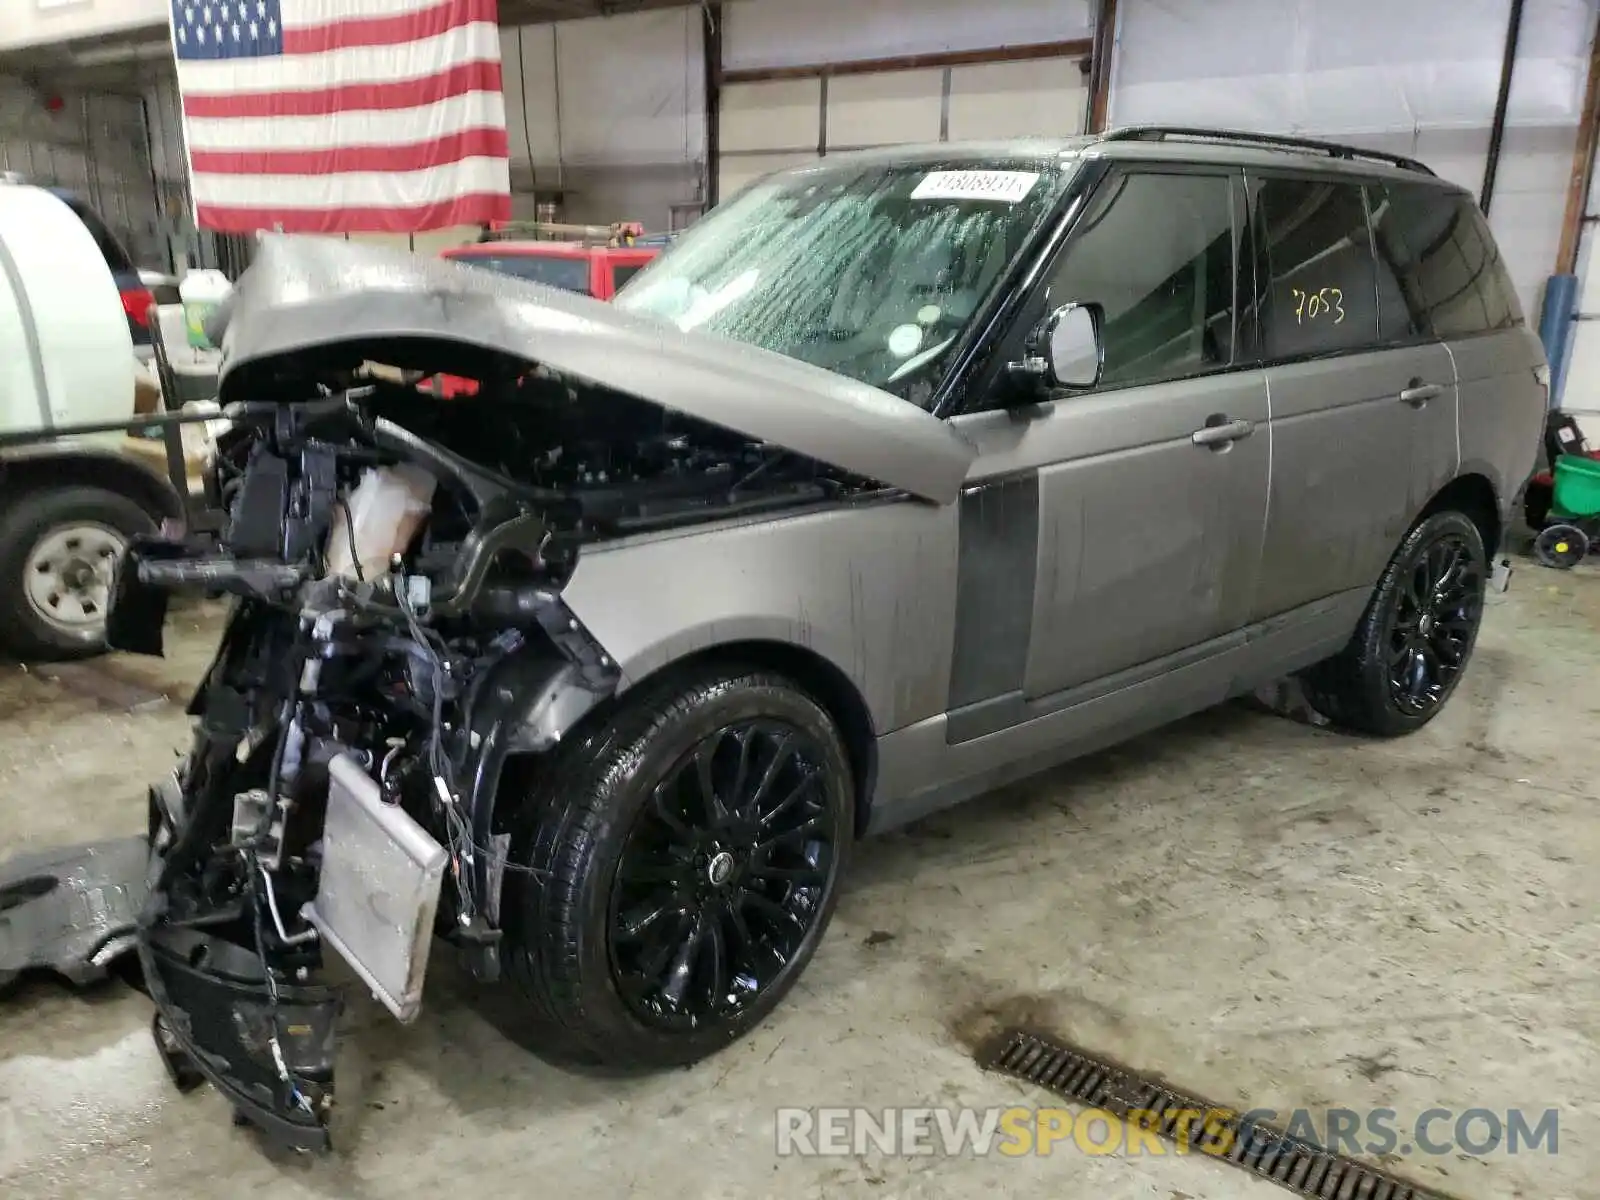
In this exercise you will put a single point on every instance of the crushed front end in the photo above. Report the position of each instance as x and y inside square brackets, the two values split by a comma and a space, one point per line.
[395, 564]
[337, 796]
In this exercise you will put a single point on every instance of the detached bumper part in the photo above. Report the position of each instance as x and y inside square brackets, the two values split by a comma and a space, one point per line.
[216, 1017]
[137, 613]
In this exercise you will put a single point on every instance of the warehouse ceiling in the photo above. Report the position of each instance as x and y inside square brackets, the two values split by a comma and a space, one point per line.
[128, 61]
[530, 12]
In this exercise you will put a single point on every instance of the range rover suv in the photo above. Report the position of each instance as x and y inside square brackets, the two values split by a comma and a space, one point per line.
[899, 476]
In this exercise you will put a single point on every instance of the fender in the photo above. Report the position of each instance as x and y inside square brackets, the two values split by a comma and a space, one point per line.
[525, 704]
[91, 465]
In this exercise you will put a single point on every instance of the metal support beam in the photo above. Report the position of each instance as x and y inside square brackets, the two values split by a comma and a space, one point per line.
[1582, 166]
[1497, 131]
[955, 58]
[712, 42]
[1105, 38]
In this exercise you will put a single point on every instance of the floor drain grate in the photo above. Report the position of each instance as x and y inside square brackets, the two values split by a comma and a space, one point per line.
[1292, 1163]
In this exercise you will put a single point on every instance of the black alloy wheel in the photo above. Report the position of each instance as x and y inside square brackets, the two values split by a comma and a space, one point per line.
[674, 866]
[723, 875]
[1415, 638]
[1437, 609]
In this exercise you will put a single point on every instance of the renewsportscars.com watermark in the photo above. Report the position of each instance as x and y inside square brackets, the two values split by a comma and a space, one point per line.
[1020, 1131]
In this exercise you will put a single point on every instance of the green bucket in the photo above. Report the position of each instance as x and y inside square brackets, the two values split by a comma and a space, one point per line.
[1577, 491]
[195, 313]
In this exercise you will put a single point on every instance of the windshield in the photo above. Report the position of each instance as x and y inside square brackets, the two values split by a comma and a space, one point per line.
[870, 270]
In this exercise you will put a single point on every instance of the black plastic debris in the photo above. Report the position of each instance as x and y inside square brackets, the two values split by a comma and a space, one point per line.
[71, 910]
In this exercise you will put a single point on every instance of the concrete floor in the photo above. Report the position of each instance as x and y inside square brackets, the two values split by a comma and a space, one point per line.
[1264, 913]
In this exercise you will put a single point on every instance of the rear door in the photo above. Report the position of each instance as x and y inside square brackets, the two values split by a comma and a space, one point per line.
[1452, 274]
[1363, 405]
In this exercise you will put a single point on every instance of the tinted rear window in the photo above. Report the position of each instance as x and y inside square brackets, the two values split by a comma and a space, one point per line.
[1318, 290]
[568, 274]
[1446, 263]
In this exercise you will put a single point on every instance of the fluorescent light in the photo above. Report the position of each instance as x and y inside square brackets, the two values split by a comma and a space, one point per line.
[108, 55]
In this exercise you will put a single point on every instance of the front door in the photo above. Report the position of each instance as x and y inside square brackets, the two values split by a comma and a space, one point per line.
[1116, 532]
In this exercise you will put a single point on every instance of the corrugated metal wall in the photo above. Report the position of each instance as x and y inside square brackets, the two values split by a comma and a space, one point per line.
[94, 144]
[610, 111]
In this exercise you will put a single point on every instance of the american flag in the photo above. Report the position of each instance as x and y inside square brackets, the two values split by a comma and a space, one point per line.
[338, 116]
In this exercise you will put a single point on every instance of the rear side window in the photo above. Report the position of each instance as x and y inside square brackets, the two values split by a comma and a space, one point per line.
[621, 274]
[1156, 252]
[1318, 289]
[568, 274]
[1446, 262]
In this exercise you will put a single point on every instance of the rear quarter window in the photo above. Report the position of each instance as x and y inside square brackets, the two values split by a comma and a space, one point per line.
[1447, 263]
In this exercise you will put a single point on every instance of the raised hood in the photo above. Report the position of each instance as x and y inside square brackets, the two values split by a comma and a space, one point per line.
[310, 305]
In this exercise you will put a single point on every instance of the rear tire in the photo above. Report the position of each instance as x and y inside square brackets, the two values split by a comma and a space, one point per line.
[58, 554]
[1414, 641]
[644, 928]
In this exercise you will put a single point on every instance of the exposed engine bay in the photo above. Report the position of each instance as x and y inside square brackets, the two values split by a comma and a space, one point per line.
[396, 564]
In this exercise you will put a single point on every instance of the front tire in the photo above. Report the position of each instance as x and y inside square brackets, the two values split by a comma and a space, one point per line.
[1414, 641]
[59, 550]
[676, 868]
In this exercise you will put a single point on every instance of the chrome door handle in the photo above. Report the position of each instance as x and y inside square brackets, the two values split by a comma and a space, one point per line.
[1419, 394]
[1222, 434]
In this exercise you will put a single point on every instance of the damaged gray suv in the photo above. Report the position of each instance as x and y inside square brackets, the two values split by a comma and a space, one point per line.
[900, 476]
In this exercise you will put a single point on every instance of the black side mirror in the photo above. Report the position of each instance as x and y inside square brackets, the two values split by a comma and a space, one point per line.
[1066, 350]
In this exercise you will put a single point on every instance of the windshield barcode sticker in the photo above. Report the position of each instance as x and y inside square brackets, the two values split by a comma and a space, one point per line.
[1008, 187]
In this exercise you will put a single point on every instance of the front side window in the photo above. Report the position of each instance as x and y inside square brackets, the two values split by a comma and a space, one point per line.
[867, 269]
[1318, 282]
[1156, 252]
[568, 273]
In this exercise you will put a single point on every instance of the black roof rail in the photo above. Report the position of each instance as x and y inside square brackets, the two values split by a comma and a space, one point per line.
[1270, 141]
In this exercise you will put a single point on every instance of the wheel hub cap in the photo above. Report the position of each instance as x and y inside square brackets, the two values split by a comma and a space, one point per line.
[67, 576]
[720, 869]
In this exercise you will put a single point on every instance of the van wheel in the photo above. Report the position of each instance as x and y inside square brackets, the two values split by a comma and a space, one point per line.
[59, 551]
[1413, 643]
[677, 868]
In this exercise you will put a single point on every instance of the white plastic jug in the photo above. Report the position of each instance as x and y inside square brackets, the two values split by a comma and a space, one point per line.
[201, 291]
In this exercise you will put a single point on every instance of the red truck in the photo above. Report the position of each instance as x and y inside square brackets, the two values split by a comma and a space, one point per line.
[599, 260]
[594, 260]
